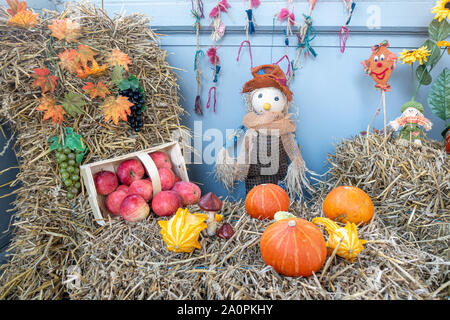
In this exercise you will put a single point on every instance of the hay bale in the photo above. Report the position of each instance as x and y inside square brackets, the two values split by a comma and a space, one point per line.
[130, 261]
[49, 227]
[410, 184]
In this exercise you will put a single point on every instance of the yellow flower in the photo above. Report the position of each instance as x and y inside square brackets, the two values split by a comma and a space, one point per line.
[411, 56]
[444, 44]
[442, 10]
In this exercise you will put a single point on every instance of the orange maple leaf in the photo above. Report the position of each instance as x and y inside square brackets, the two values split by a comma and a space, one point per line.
[69, 60]
[101, 90]
[16, 6]
[66, 29]
[93, 71]
[120, 58]
[52, 110]
[86, 54]
[44, 80]
[25, 19]
[116, 108]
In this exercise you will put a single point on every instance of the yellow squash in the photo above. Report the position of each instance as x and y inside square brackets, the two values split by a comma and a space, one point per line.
[181, 232]
[350, 246]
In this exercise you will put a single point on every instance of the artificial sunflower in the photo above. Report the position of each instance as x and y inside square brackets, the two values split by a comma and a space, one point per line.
[411, 56]
[442, 10]
[444, 44]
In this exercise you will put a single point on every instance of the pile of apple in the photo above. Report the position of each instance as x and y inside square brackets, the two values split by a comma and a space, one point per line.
[129, 193]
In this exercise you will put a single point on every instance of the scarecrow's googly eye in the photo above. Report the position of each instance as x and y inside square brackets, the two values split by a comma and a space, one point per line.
[376, 59]
[382, 57]
[276, 98]
[260, 95]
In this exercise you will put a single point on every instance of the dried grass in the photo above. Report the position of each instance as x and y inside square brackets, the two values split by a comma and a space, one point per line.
[57, 252]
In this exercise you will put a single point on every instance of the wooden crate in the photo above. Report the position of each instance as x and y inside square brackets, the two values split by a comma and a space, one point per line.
[88, 171]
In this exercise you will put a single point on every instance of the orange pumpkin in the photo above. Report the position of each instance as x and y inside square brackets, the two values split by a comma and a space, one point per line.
[348, 204]
[264, 200]
[293, 247]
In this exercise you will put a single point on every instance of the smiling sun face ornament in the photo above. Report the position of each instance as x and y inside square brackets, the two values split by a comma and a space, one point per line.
[380, 65]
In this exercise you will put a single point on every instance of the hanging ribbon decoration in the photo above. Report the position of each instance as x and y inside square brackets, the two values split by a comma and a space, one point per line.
[344, 32]
[249, 51]
[249, 29]
[306, 34]
[197, 12]
[289, 17]
[218, 31]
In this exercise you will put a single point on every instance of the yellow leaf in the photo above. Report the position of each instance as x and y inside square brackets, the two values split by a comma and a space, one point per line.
[52, 110]
[25, 19]
[66, 29]
[116, 108]
[94, 71]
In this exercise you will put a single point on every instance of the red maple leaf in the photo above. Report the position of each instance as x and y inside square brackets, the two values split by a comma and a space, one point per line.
[44, 80]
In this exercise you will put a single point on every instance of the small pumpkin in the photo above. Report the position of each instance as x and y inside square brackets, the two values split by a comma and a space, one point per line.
[181, 232]
[264, 200]
[293, 247]
[350, 246]
[348, 204]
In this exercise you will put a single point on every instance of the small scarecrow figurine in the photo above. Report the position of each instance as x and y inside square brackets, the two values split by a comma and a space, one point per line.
[412, 122]
[446, 135]
[269, 140]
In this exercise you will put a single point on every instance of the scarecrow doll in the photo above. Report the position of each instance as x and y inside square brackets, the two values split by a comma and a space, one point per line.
[446, 135]
[412, 122]
[268, 137]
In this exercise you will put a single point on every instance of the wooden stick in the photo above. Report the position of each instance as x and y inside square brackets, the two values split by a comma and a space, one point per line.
[383, 95]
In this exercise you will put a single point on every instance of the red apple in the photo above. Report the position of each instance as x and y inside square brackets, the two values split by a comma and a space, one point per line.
[143, 187]
[129, 171]
[114, 200]
[105, 182]
[189, 192]
[123, 188]
[161, 159]
[166, 203]
[134, 208]
[177, 179]
[167, 178]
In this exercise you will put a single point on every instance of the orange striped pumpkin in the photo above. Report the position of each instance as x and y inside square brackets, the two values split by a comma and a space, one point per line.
[348, 204]
[264, 200]
[293, 247]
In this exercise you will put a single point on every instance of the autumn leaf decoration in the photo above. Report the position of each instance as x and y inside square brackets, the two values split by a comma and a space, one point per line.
[20, 15]
[44, 80]
[81, 62]
[99, 90]
[69, 60]
[52, 110]
[73, 102]
[117, 57]
[15, 6]
[116, 108]
[65, 29]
